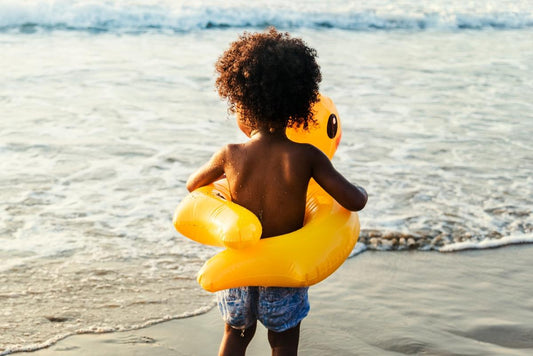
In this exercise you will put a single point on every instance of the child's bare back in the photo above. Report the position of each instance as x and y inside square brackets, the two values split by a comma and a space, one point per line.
[269, 176]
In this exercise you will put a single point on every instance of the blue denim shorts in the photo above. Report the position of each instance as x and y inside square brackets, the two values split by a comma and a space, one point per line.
[277, 308]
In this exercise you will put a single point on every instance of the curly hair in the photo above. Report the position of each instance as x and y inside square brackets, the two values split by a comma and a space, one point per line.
[270, 78]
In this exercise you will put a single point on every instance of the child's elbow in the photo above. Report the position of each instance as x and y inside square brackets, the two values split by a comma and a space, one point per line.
[357, 206]
[358, 201]
[190, 185]
[362, 203]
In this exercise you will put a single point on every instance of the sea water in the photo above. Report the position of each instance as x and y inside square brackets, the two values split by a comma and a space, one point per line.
[107, 107]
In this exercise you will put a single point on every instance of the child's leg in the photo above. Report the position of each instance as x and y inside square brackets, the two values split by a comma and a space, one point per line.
[235, 341]
[284, 343]
[238, 308]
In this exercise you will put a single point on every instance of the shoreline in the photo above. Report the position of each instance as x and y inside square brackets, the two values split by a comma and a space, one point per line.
[472, 302]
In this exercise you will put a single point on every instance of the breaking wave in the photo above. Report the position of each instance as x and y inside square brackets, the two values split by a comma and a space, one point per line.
[396, 241]
[169, 17]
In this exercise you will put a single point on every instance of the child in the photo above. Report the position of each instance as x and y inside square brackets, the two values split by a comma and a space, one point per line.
[270, 81]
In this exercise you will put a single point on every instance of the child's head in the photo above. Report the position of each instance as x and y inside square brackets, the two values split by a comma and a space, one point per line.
[270, 79]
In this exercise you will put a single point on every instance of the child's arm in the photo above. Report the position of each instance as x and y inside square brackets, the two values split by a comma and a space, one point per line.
[212, 171]
[350, 196]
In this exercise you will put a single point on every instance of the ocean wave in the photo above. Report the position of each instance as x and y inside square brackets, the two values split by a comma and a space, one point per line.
[28, 17]
[396, 241]
[488, 243]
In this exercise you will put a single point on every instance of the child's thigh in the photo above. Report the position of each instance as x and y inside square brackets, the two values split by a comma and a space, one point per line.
[238, 306]
[280, 308]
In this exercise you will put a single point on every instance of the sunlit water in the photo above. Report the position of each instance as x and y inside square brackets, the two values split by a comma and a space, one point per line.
[106, 109]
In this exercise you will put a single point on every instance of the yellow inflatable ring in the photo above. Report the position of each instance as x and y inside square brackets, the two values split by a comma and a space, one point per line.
[301, 258]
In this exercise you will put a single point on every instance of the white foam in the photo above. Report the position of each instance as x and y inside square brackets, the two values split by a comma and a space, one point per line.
[358, 249]
[488, 243]
[103, 330]
[182, 16]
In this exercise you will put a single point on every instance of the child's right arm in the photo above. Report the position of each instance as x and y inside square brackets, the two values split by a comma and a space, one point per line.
[350, 196]
[209, 172]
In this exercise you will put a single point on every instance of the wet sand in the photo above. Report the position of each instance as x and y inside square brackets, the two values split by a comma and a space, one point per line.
[378, 303]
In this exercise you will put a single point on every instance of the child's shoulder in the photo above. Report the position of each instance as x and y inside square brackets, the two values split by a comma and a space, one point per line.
[303, 151]
[232, 151]
[306, 149]
[233, 147]
[229, 147]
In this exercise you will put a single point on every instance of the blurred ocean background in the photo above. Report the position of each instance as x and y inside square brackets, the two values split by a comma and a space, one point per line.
[106, 107]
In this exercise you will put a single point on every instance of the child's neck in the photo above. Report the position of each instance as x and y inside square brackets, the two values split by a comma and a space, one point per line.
[268, 133]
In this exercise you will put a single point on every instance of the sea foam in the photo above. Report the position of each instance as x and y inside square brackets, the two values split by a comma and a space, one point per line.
[487, 243]
[102, 330]
[129, 16]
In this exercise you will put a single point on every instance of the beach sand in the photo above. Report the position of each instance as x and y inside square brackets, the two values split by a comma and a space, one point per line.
[377, 303]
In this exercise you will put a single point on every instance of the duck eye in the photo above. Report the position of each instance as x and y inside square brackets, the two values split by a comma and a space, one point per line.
[332, 126]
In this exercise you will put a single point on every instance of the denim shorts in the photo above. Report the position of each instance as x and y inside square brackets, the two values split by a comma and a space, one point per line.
[277, 308]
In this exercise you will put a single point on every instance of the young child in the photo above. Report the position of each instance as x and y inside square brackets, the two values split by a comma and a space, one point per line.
[270, 81]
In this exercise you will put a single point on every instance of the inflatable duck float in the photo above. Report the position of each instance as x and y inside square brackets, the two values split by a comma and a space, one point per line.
[300, 258]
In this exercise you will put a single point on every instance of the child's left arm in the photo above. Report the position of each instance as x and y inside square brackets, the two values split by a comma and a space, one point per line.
[212, 171]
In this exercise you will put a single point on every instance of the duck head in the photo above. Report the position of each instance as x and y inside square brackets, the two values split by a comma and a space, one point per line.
[326, 133]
